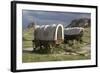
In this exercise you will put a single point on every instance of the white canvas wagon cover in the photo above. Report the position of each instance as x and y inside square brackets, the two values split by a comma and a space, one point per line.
[49, 32]
[73, 30]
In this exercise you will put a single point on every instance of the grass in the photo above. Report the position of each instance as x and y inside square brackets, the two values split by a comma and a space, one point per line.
[27, 44]
[57, 54]
[27, 38]
[28, 34]
[33, 57]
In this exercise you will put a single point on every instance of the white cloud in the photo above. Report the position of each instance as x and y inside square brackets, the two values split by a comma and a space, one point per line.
[31, 18]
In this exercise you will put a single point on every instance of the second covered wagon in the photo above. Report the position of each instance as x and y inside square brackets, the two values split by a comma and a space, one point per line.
[73, 33]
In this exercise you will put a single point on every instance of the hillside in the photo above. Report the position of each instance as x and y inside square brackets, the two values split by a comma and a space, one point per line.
[28, 32]
[82, 22]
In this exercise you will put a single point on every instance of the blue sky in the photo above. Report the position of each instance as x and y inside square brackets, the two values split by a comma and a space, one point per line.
[50, 17]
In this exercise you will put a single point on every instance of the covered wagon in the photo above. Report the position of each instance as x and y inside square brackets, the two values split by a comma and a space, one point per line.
[48, 35]
[73, 33]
